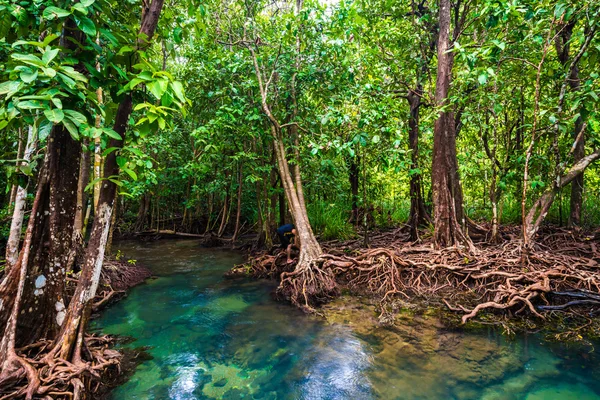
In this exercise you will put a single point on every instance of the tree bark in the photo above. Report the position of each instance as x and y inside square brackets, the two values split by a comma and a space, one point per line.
[537, 213]
[77, 315]
[447, 192]
[20, 203]
[418, 213]
[226, 206]
[239, 205]
[354, 178]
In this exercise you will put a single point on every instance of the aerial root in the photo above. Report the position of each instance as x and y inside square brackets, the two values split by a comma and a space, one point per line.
[308, 286]
[495, 278]
[35, 374]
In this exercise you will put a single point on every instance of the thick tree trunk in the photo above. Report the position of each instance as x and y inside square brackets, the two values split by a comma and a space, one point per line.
[84, 177]
[310, 250]
[47, 274]
[69, 341]
[447, 193]
[20, 203]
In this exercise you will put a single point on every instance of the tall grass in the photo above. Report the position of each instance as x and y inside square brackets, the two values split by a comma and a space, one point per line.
[330, 220]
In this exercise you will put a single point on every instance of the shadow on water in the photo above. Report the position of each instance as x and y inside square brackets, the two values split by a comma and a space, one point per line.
[212, 338]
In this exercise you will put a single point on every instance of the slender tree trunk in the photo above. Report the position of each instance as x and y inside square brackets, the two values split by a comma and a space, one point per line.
[226, 206]
[84, 177]
[537, 213]
[354, 178]
[20, 149]
[418, 213]
[239, 205]
[563, 46]
[20, 203]
[113, 224]
[447, 193]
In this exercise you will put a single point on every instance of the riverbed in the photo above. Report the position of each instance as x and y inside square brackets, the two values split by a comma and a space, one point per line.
[216, 338]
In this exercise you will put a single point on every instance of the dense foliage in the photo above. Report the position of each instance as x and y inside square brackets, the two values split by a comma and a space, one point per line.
[226, 118]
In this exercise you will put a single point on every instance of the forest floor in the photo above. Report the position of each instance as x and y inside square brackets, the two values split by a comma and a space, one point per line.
[555, 288]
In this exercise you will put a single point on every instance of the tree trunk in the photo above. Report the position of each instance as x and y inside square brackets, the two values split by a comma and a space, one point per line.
[20, 203]
[239, 205]
[537, 213]
[226, 206]
[418, 213]
[67, 343]
[142, 216]
[20, 149]
[113, 224]
[84, 177]
[447, 193]
[354, 178]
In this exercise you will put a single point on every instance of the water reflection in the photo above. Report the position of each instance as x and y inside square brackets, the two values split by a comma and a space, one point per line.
[217, 339]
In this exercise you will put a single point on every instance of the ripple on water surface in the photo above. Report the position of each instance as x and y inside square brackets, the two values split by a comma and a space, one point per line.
[212, 338]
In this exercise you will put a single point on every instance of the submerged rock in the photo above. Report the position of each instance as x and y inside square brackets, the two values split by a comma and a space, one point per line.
[416, 349]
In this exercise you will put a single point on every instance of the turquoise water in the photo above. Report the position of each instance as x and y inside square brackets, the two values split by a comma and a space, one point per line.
[213, 338]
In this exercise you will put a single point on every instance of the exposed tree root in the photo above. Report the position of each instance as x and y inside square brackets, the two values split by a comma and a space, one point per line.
[38, 376]
[563, 263]
[308, 286]
[37, 372]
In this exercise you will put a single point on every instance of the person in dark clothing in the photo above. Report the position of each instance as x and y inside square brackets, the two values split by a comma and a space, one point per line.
[286, 234]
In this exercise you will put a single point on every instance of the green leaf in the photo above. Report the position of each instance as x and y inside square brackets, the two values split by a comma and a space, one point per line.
[49, 55]
[125, 49]
[71, 128]
[52, 12]
[30, 105]
[9, 88]
[178, 89]
[111, 133]
[77, 117]
[50, 72]
[87, 3]
[57, 102]
[28, 75]
[54, 115]
[482, 79]
[86, 25]
[44, 129]
[130, 173]
[70, 72]
[109, 150]
[80, 8]
[29, 59]
[158, 87]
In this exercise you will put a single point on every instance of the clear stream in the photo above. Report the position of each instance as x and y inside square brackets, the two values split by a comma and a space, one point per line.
[214, 338]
